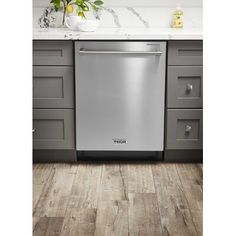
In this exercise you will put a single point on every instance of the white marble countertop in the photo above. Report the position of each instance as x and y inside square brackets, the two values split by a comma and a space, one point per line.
[119, 33]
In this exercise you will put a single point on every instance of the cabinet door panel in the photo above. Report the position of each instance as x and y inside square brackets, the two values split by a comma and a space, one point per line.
[52, 53]
[53, 129]
[184, 86]
[185, 53]
[53, 87]
[184, 129]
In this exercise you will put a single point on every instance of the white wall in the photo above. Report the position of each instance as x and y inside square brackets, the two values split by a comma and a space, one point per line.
[136, 3]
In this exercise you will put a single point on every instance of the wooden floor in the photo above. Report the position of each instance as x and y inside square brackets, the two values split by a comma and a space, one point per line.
[132, 199]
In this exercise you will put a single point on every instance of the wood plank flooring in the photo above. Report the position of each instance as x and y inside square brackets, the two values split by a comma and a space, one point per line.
[117, 199]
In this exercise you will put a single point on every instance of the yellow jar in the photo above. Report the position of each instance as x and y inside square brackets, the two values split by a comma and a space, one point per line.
[177, 19]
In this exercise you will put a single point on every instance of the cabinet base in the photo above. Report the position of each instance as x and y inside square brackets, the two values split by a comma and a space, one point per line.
[183, 155]
[54, 155]
[119, 155]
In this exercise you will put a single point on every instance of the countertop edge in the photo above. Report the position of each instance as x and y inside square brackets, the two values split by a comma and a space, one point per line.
[114, 34]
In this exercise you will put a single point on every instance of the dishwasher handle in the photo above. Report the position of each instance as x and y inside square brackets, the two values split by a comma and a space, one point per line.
[82, 52]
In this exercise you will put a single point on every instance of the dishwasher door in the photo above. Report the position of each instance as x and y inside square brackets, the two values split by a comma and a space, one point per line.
[120, 89]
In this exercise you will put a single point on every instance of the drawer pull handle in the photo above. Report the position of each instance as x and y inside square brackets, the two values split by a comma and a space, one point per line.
[189, 88]
[33, 130]
[188, 128]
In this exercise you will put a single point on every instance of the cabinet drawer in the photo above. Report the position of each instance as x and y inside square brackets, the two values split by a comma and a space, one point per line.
[184, 129]
[52, 53]
[53, 87]
[184, 86]
[53, 129]
[185, 53]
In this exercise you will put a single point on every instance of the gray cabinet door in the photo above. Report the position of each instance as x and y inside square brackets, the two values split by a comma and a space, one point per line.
[53, 87]
[184, 129]
[52, 53]
[185, 53]
[53, 129]
[184, 87]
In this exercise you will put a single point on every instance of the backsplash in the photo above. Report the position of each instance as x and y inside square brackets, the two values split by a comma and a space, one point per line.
[127, 14]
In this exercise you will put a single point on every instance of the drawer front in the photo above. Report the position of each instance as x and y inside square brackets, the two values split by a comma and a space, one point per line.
[53, 87]
[52, 53]
[185, 53]
[184, 129]
[53, 129]
[185, 86]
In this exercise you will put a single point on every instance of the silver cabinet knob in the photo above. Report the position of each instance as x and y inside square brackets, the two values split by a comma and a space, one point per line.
[189, 88]
[33, 130]
[188, 128]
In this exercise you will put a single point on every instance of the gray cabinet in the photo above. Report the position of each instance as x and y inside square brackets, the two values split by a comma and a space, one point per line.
[53, 87]
[184, 87]
[184, 125]
[184, 129]
[55, 53]
[53, 129]
[53, 102]
[185, 53]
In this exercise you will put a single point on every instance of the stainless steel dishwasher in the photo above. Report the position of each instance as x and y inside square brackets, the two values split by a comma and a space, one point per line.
[120, 89]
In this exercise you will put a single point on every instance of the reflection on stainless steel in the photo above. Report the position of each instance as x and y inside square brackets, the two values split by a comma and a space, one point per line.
[120, 97]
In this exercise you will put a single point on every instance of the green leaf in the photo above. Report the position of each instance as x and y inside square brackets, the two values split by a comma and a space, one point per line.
[95, 8]
[56, 4]
[85, 7]
[98, 2]
[92, 5]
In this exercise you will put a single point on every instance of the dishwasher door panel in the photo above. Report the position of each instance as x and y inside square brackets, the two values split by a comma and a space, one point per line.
[120, 97]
